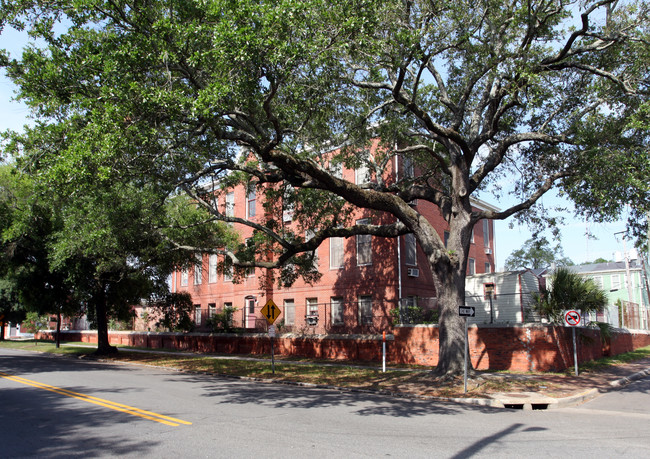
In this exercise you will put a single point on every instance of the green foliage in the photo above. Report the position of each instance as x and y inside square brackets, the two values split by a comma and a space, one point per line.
[222, 322]
[568, 290]
[537, 253]
[176, 311]
[34, 322]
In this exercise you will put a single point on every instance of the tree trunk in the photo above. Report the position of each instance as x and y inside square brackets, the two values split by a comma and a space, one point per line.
[451, 330]
[103, 345]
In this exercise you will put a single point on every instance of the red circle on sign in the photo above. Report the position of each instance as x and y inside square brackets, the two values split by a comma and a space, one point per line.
[572, 317]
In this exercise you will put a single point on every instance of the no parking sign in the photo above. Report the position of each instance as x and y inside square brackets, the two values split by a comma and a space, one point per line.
[572, 317]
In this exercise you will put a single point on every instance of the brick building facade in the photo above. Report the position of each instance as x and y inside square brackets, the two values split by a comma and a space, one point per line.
[363, 277]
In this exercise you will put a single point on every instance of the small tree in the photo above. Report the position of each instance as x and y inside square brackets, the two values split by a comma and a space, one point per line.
[568, 291]
[35, 322]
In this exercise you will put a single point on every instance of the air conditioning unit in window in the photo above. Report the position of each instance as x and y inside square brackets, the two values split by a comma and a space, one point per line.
[311, 320]
[488, 251]
[413, 272]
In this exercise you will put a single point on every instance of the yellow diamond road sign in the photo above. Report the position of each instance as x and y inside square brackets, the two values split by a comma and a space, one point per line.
[271, 311]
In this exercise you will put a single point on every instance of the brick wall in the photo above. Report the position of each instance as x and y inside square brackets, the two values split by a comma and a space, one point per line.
[516, 348]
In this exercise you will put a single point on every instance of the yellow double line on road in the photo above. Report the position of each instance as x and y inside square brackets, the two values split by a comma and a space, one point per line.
[99, 401]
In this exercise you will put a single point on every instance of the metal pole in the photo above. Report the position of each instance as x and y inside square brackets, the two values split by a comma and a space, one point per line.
[272, 356]
[465, 378]
[383, 353]
[575, 350]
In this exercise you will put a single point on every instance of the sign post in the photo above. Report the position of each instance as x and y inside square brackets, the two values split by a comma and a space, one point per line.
[465, 312]
[271, 311]
[572, 318]
[383, 353]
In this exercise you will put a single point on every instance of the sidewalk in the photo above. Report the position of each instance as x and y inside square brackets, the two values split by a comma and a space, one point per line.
[557, 391]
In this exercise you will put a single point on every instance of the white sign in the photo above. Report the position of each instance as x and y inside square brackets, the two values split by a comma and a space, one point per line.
[272, 331]
[572, 317]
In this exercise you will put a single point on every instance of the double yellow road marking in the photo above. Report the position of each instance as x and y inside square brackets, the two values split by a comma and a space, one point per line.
[99, 401]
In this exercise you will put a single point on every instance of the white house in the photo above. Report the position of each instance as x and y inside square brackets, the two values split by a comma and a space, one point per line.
[510, 300]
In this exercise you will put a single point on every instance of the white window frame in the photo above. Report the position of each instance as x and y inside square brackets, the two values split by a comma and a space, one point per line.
[598, 280]
[365, 310]
[488, 268]
[471, 267]
[364, 245]
[288, 206]
[337, 252]
[185, 277]
[198, 269]
[212, 268]
[410, 249]
[197, 315]
[336, 310]
[230, 204]
[311, 306]
[615, 280]
[289, 312]
[251, 201]
[408, 167]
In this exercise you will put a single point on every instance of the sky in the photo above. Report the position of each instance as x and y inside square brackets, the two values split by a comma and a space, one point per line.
[577, 246]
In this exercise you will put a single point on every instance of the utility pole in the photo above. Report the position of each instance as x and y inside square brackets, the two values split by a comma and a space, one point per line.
[628, 284]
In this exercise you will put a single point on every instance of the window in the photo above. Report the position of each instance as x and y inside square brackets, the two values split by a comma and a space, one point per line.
[288, 205]
[364, 245]
[365, 310]
[489, 289]
[312, 306]
[227, 273]
[197, 314]
[336, 252]
[362, 173]
[184, 277]
[251, 200]
[336, 308]
[616, 281]
[411, 249]
[289, 312]
[336, 169]
[409, 170]
[212, 269]
[309, 234]
[446, 237]
[488, 268]
[198, 268]
[471, 237]
[212, 309]
[230, 204]
[486, 233]
[472, 267]
[598, 280]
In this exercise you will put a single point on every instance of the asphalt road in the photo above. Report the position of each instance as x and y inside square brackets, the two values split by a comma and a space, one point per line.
[46, 411]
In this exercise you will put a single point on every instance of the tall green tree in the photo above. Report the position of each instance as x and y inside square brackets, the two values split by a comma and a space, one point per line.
[536, 94]
[535, 254]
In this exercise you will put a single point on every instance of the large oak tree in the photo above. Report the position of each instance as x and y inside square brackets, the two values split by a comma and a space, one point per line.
[481, 96]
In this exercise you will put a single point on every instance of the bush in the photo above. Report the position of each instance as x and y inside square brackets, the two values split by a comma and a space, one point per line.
[221, 322]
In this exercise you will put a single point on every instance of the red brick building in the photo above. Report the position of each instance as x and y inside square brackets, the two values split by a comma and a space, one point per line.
[363, 277]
